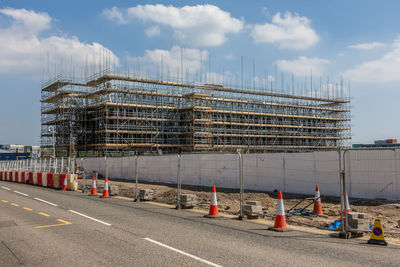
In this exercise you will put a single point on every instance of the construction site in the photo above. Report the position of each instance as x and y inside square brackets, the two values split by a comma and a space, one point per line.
[125, 113]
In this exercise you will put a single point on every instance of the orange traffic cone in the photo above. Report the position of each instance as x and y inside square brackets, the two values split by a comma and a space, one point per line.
[94, 189]
[280, 219]
[317, 203]
[65, 185]
[213, 213]
[105, 190]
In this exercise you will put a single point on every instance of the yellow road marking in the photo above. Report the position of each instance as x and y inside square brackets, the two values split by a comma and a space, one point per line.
[44, 214]
[15, 204]
[124, 198]
[65, 222]
[5, 201]
[25, 208]
[53, 225]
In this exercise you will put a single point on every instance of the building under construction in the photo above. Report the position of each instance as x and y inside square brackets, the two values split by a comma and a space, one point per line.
[127, 114]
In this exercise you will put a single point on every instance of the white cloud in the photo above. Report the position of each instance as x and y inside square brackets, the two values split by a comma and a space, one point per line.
[171, 59]
[153, 31]
[114, 14]
[303, 66]
[32, 22]
[200, 25]
[289, 32]
[366, 46]
[384, 69]
[23, 50]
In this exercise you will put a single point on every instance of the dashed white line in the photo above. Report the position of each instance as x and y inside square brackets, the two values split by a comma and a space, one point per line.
[182, 252]
[91, 218]
[21, 193]
[55, 205]
[6, 188]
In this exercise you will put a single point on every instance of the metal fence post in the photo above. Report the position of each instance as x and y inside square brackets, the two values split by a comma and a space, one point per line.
[345, 233]
[105, 158]
[84, 176]
[241, 182]
[178, 204]
[62, 165]
[284, 171]
[137, 199]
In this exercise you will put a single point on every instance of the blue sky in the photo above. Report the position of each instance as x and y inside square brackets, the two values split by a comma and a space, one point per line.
[356, 40]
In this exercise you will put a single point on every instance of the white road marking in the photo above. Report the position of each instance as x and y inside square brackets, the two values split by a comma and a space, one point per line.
[91, 218]
[182, 252]
[21, 193]
[55, 205]
[6, 188]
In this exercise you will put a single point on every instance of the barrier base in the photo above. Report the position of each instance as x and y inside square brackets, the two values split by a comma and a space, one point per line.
[377, 242]
[212, 217]
[279, 229]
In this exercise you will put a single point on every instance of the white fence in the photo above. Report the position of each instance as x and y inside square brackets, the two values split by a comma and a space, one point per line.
[57, 165]
[369, 173]
[373, 173]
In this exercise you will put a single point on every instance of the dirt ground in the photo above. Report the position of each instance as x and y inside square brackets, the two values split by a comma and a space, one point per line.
[229, 202]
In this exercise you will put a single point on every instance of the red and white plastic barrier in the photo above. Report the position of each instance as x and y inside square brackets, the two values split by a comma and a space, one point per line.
[49, 179]
[53, 180]
[30, 175]
[39, 178]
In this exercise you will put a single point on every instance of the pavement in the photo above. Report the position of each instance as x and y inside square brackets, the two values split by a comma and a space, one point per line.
[45, 227]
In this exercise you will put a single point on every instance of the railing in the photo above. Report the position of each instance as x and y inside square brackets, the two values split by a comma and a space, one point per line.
[56, 165]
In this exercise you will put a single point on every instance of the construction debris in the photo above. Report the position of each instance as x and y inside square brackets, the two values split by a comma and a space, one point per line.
[252, 209]
[114, 190]
[146, 194]
[358, 222]
[188, 201]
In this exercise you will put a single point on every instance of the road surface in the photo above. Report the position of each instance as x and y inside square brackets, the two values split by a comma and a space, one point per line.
[44, 227]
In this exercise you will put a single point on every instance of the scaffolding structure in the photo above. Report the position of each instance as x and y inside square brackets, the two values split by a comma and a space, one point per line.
[126, 113]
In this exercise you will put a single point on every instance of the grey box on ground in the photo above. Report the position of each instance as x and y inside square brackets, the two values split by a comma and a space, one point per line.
[146, 194]
[114, 190]
[252, 209]
[358, 221]
[188, 200]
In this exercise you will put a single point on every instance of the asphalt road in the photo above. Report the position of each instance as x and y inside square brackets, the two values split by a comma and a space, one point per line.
[45, 227]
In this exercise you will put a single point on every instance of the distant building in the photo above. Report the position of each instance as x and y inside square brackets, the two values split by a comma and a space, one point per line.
[7, 155]
[379, 144]
[15, 152]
